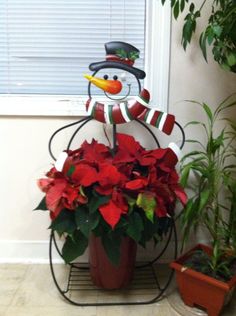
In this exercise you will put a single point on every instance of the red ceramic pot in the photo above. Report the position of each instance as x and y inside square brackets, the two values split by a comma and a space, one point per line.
[198, 289]
[103, 273]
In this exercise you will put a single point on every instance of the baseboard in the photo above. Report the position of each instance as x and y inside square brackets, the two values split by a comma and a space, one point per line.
[24, 251]
[37, 252]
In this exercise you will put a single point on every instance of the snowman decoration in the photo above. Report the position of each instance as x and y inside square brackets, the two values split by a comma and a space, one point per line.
[120, 107]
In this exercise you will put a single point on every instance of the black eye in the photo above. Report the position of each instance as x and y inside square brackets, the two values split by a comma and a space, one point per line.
[105, 77]
[115, 77]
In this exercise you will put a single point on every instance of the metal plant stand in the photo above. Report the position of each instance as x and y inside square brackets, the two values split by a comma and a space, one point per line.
[146, 287]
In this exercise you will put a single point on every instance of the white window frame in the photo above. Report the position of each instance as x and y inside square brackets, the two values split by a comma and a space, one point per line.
[157, 65]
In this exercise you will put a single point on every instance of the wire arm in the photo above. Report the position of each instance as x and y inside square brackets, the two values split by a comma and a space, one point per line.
[182, 133]
[60, 129]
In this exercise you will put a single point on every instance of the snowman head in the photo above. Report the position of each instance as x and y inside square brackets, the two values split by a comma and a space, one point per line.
[116, 76]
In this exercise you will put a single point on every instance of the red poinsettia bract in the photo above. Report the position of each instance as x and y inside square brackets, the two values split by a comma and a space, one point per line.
[133, 172]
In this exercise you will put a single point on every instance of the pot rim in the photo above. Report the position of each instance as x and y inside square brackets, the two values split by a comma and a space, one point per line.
[179, 266]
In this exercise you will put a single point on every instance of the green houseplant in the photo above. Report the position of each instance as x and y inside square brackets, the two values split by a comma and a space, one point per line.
[111, 193]
[219, 32]
[209, 171]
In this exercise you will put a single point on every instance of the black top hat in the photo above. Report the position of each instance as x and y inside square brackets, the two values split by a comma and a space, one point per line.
[122, 56]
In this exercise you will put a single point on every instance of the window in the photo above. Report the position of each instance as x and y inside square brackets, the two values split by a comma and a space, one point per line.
[46, 46]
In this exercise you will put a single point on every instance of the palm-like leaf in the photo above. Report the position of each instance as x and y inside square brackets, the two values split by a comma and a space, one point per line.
[209, 171]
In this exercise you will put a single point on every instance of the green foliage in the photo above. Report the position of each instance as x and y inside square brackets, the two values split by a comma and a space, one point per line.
[135, 227]
[97, 200]
[83, 221]
[130, 55]
[111, 243]
[77, 225]
[74, 246]
[210, 173]
[42, 205]
[154, 230]
[219, 32]
[64, 222]
[212, 266]
[148, 203]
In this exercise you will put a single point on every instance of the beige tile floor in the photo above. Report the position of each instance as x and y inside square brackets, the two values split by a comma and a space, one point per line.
[28, 290]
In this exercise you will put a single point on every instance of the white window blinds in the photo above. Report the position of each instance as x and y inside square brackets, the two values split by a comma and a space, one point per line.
[47, 45]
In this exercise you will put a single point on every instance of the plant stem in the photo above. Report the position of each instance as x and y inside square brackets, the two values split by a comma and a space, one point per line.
[210, 230]
[114, 140]
[202, 5]
[227, 16]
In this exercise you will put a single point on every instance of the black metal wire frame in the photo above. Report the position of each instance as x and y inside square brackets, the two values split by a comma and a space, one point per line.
[85, 120]
[156, 298]
[150, 132]
[172, 231]
[182, 133]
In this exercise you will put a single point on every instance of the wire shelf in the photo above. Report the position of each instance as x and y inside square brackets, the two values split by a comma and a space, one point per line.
[79, 280]
[150, 282]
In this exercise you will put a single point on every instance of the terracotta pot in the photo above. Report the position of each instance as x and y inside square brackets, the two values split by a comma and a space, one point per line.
[198, 289]
[103, 273]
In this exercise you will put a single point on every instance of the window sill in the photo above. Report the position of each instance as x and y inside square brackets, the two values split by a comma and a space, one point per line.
[42, 105]
[49, 105]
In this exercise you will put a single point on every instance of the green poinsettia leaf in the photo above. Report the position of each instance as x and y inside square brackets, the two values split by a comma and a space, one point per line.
[64, 222]
[82, 220]
[148, 203]
[74, 246]
[94, 220]
[150, 229]
[150, 215]
[111, 243]
[86, 222]
[42, 205]
[96, 201]
[131, 202]
[163, 224]
[135, 226]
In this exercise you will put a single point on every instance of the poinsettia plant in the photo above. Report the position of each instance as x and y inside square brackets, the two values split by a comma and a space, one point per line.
[130, 192]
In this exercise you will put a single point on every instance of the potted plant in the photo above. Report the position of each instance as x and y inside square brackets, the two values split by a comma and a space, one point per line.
[219, 31]
[207, 275]
[111, 200]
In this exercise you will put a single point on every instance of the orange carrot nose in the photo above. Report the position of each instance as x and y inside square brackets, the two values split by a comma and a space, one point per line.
[110, 86]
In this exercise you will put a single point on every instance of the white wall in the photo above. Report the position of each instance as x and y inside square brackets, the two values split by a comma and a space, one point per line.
[24, 155]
